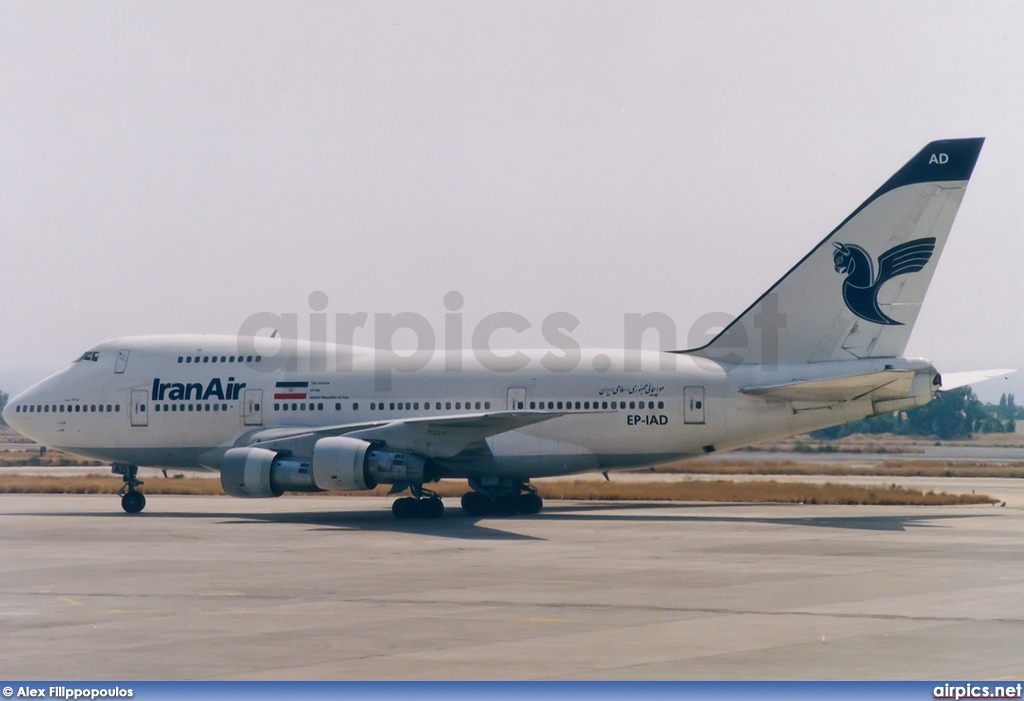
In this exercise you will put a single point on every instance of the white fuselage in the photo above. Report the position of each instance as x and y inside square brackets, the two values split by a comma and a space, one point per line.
[182, 401]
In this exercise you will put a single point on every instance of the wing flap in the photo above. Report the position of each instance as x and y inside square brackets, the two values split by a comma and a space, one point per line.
[430, 436]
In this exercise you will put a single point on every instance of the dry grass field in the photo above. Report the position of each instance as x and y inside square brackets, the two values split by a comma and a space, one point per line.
[888, 468]
[717, 490]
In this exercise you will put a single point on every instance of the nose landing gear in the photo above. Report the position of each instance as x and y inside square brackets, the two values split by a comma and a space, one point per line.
[132, 500]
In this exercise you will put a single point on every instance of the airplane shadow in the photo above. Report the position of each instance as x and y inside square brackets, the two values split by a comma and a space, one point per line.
[578, 512]
[457, 524]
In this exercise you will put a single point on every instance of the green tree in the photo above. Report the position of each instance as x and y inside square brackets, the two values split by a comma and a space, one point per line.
[3, 402]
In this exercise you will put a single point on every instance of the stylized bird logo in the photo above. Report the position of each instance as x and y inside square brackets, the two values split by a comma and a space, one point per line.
[860, 288]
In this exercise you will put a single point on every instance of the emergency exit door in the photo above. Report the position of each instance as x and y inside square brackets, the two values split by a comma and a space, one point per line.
[516, 398]
[139, 407]
[252, 407]
[693, 405]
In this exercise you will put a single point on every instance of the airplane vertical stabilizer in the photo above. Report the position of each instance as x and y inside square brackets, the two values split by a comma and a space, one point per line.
[857, 294]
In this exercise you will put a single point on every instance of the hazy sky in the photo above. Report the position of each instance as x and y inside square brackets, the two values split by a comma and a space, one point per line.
[174, 167]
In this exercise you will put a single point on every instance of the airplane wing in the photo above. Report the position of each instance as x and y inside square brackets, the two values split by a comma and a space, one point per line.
[952, 380]
[431, 436]
[835, 389]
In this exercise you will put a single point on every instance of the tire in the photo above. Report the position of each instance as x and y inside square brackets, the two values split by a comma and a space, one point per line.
[430, 508]
[404, 508]
[133, 502]
[530, 503]
[506, 506]
[476, 504]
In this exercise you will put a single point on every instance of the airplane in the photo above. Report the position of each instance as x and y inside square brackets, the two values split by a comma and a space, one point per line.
[821, 347]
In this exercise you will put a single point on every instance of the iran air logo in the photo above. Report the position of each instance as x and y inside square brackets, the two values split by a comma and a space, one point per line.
[861, 286]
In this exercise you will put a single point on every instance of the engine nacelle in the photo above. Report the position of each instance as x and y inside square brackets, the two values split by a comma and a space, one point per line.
[258, 472]
[342, 464]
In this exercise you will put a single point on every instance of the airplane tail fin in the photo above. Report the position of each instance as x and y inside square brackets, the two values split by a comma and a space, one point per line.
[858, 292]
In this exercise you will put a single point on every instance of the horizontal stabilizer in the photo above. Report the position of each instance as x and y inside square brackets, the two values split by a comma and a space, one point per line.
[836, 389]
[952, 380]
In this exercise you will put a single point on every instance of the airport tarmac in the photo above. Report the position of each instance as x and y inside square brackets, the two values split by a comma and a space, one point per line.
[335, 588]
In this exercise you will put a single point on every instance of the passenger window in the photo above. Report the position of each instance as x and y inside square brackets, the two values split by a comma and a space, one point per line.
[295, 407]
[231, 359]
[487, 405]
[437, 406]
[157, 407]
[447, 405]
[222, 359]
[188, 359]
[355, 406]
[478, 405]
[458, 405]
[533, 405]
[416, 406]
[216, 407]
[303, 406]
[560, 405]
[223, 407]
[248, 358]
[661, 405]
[180, 359]
[258, 358]
[641, 405]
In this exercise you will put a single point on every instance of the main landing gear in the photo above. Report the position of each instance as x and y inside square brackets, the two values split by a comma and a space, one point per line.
[422, 504]
[520, 499]
[132, 500]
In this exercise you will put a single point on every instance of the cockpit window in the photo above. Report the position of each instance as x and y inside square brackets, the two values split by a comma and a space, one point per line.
[92, 356]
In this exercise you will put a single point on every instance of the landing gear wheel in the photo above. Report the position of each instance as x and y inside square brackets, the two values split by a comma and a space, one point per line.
[133, 502]
[477, 504]
[530, 503]
[506, 505]
[431, 507]
[404, 507]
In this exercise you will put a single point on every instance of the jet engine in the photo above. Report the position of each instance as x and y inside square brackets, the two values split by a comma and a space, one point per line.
[338, 464]
[257, 472]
